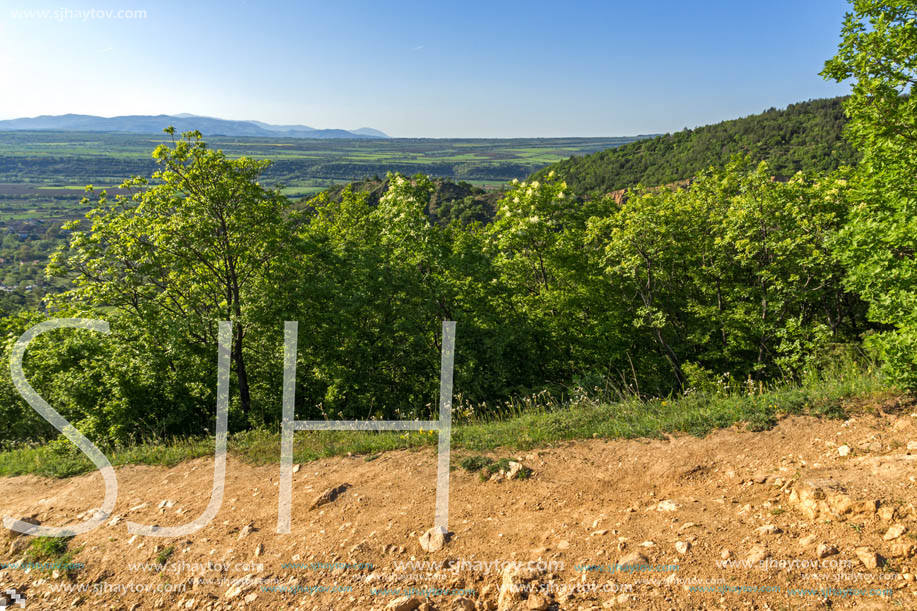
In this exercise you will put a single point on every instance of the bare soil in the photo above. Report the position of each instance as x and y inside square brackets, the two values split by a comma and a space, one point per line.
[683, 502]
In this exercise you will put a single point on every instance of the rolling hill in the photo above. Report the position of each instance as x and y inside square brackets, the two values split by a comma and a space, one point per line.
[806, 136]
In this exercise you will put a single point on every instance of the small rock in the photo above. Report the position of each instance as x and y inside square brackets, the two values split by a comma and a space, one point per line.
[727, 555]
[903, 550]
[667, 506]
[634, 558]
[403, 603]
[235, 591]
[682, 547]
[912, 447]
[514, 469]
[824, 550]
[247, 530]
[869, 558]
[462, 604]
[808, 540]
[328, 496]
[28, 520]
[259, 550]
[20, 544]
[537, 602]
[756, 554]
[768, 529]
[894, 532]
[886, 513]
[843, 451]
[563, 544]
[296, 468]
[434, 539]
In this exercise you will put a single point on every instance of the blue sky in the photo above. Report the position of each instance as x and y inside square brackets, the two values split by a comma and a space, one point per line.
[423, 69]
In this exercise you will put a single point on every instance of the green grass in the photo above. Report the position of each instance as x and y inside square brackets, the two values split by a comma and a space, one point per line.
[64, 460]
[48, 548]
[473, 464]
[163, 556]
[519, 425]
[54, 551]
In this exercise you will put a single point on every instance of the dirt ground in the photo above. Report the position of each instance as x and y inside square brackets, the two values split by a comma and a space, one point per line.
[823, 514]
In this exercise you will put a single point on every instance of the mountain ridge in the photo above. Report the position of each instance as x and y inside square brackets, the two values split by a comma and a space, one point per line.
[154, 124]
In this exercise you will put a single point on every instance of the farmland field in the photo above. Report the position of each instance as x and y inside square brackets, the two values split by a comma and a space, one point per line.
[42, 173]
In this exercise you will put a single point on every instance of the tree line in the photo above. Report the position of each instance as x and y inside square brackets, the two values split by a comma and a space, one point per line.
[734, 278]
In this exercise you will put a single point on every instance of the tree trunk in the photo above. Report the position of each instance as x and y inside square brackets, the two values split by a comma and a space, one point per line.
[241, 374]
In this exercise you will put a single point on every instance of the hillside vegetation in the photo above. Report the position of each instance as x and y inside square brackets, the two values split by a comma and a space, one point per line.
[733, 281]
[807, 137]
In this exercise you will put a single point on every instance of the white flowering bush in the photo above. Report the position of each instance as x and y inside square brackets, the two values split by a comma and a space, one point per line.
[531, 221]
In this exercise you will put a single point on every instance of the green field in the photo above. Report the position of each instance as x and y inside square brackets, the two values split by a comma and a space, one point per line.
[42, 174]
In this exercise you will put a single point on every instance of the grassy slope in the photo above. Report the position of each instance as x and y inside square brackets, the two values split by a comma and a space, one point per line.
[829, 394]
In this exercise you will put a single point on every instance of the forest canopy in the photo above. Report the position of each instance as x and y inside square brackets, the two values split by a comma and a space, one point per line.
[787, 250]
[806, 137]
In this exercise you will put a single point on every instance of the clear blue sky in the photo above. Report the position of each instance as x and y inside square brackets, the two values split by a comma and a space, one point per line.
[424, 69]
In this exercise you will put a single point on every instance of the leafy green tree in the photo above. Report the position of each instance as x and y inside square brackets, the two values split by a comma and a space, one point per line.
[198, 243]
[878, 50]
[537, 245]
[112, 387]
[730, 274]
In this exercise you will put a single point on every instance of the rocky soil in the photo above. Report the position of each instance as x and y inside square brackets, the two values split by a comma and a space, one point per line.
[811, 514]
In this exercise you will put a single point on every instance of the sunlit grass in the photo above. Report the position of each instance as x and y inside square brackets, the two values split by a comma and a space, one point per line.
[519, 424]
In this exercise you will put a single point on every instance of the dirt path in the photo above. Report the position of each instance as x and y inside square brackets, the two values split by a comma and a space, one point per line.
[684, 506]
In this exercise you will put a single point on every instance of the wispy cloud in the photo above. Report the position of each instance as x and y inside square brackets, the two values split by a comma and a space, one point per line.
[105, 50]
[417, 48]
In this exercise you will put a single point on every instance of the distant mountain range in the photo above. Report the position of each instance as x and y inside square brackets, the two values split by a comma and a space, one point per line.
[154, 124]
